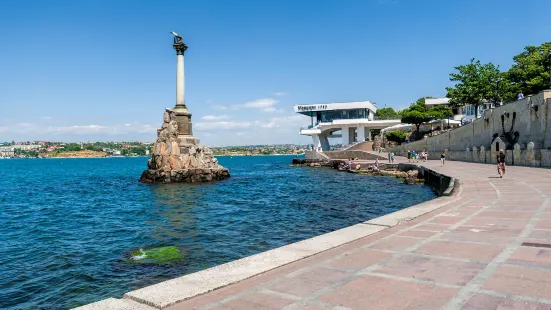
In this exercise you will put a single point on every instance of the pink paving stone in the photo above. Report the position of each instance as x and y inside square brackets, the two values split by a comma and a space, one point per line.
[506, 214]
[531, 256]
[256, 301]
[544, 223]
[473, 234]
[480, 252]
[502, 223]
[432, 227]
[488, 302]
[307, 283]
[432, 269]
[446, 220]
[418, 233]
[395, 243]
[308, 307]
[521, 281]
[369, 292]
[360, 260]
[540, 234]
[490, 230]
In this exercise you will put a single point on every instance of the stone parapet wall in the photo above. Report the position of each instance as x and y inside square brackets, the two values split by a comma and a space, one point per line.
[522, 128]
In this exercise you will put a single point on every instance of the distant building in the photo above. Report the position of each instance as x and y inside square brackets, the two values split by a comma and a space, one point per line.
[27, 147]
[350, 121]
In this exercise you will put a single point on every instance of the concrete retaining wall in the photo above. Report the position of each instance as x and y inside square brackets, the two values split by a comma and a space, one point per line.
[522, 127]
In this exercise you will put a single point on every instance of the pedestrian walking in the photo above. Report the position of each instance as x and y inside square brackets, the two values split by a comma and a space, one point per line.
[520, 96]
[391, 157]
[409, 156]
[501, 163]
[442, 159]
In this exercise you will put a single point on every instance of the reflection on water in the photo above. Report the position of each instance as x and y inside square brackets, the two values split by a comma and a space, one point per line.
[174, 204]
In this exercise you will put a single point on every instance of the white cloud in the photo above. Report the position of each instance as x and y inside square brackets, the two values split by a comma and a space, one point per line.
[255, 104]
[260, 103]
[240, 133]
[37, 129]
[46, 117]
[220, 107]
[279, 94]
[214, 117]
[273, 110]
[222, 125]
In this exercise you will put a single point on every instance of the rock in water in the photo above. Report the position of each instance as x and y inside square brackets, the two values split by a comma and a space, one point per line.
[179, 158]
[161, 255]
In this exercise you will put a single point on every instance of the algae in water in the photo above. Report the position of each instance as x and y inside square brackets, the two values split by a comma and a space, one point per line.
[160, 255]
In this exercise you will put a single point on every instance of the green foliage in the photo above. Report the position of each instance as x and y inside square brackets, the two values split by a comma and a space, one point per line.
[476, 83]
[71, 147]
[386, 113]
[92, 147]
[440, 112]
[416, 114]
[530, 71]
[396, 136]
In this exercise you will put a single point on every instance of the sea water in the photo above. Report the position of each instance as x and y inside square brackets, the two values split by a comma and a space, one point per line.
[67, 225]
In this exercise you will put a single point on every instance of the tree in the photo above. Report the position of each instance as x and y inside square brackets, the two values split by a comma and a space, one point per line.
[386, 113]
[395, 136]
[530, 71]
[417, 114]
[476, 83]
[416, 118]
[440, 112]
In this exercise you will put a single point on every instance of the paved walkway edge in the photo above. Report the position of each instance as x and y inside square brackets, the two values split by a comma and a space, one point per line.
[170, 292]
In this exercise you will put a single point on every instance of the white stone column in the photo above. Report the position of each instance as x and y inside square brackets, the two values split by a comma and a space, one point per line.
[345, 133]
[361, 134]
[316, 142]
[180, 87]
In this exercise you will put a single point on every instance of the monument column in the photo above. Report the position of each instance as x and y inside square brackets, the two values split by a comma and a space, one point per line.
[183, 116]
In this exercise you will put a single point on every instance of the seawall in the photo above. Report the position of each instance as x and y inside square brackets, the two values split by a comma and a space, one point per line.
[523, 128]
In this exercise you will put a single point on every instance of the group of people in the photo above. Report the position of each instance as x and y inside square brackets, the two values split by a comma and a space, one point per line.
[391, 157]
[413, 156]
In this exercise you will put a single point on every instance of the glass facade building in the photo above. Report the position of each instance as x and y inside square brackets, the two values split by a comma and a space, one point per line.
[329, 116]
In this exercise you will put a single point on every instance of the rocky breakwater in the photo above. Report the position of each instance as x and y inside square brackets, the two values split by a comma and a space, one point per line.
[180, 158]
[410, 177]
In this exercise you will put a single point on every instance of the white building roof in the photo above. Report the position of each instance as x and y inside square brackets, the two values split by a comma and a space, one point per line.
[436, 101]
[303, 108]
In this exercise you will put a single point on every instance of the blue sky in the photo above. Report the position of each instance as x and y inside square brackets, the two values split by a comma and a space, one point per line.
[105, 70]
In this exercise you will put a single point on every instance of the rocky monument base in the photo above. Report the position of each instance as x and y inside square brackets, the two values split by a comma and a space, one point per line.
[179, 158]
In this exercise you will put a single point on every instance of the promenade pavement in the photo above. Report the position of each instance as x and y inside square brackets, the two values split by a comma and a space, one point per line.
[487, 249]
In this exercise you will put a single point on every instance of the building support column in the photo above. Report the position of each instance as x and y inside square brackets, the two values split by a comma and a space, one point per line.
[324, 141]
[345, 133]
[316, 143]
[361, 134]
